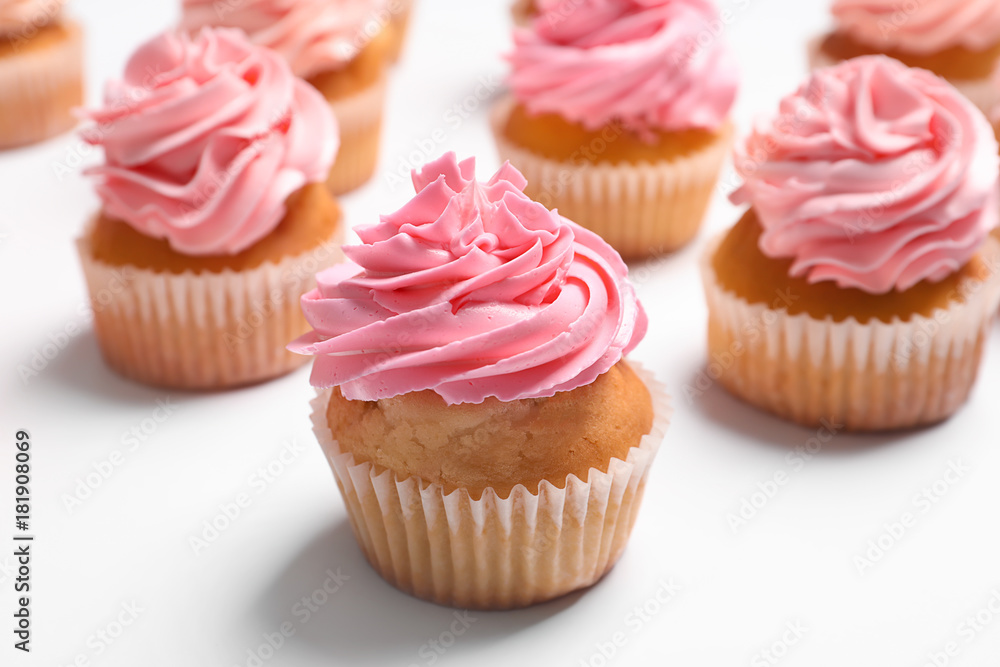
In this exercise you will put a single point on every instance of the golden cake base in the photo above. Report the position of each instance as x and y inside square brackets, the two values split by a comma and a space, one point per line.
[642, 209]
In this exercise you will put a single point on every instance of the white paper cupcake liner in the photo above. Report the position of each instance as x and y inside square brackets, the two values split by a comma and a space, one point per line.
[399, 27]
[360, 120]
[493, 553]
[203, 330]
[984, 93]
[854, 376]
[39, 89]
[641, 209]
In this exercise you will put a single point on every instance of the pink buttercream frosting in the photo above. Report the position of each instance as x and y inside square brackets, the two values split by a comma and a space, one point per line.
[471, 290]
[313, 35]
[205, 138]
[873, 175]
[650, 64]
[18, 15]
[920, 26]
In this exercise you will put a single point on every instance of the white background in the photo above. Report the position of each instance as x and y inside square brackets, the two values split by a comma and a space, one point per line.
[794, 562]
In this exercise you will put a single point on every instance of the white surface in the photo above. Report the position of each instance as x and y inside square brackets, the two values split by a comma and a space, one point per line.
[793, 562]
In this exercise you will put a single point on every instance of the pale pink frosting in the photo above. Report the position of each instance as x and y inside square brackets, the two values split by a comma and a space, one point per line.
[313, 35]
[920, 26]
[471, 290]
[205, 138]
[16, 15]
[873, 175]
[651, 64]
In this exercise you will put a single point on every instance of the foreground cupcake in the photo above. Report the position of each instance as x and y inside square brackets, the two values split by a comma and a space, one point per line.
[489, 439]
[956, 39]
[215, 215]
[41, 71]
[618, 116]
[341, 47]
[860, 286]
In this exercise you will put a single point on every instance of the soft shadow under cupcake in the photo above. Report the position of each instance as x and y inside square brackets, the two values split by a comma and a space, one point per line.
[368, 622]
[78, 368]
[712, 400]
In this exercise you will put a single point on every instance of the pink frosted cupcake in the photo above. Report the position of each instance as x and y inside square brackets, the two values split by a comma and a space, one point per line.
[618, 116]
[489, 439]
[859, 288]
[215, 215]
[956, 39]
[341, 47]
[41, 71]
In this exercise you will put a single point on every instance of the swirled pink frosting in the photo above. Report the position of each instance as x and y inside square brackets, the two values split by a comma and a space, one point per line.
[205, 138]
[651, 64]
[471, 290]
[920, 26]
[313, 35]
[873, 175]
[16, 15]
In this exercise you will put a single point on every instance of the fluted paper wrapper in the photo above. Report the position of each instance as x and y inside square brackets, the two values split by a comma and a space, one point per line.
[399, 26]
[360, 119]
[848, 375]
[203, 330]
[39, 89]
[984, 93]
[493, 553]
[641, 209]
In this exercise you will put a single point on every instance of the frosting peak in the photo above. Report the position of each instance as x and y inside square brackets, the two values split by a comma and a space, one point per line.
[312, 35]
[471, 290]
[920, 26]
[643, 62]
[205, 139]
[873, 175]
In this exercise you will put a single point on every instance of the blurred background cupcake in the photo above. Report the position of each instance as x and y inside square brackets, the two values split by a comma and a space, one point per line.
[341, 47]
[619, 116]
[490, 441]
[41, 71]
[215, 214]
[859, 288]
[956, 39]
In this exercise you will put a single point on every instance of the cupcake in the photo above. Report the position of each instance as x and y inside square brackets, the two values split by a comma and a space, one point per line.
[215, 216]
[41, 71]
[489, 439]
[859, 288]
[618, 117]
[956, 39]
[341, 47]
